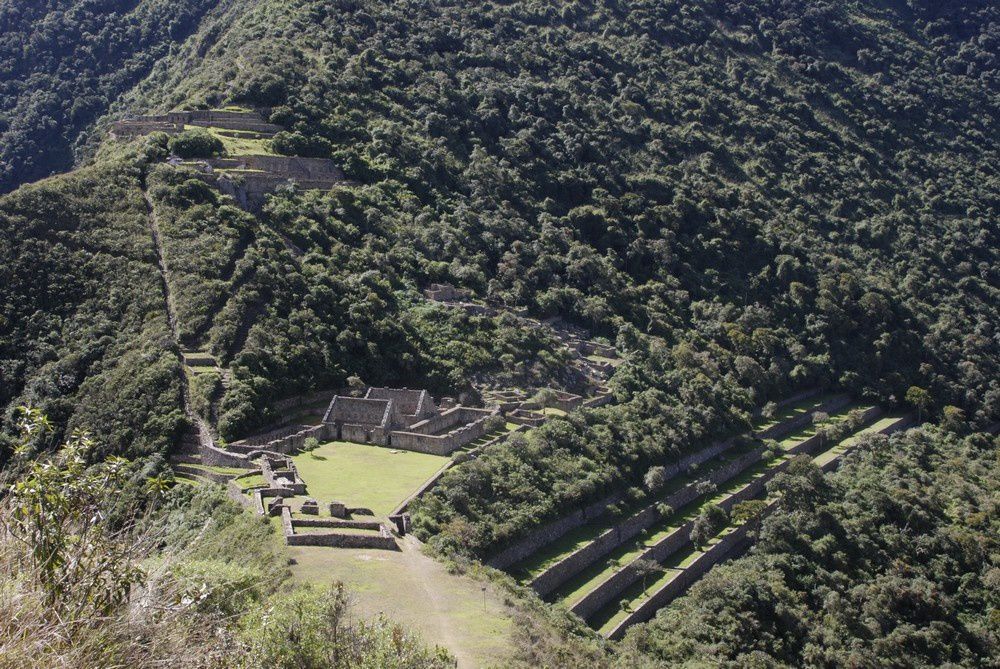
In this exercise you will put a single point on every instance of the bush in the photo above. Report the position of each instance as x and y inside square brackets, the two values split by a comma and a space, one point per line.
[196, 144]
[297, 144]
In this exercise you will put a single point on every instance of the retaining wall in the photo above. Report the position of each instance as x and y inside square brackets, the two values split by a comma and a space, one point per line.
[728, 545]
[336, 540]
[562, 571]
[778, 431]
[556, 528]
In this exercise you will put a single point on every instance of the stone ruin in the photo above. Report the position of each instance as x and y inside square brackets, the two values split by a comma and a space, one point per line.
[282, 482]
[247, 179]
[405, 419]
[246, 123]
[445, 292]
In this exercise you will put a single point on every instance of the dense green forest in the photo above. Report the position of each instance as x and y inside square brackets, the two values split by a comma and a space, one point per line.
[63, 63]
[747, 197]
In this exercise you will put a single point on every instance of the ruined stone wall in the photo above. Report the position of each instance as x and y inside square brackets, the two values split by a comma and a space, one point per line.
[356, 433]
[357, 411]
[217, 457]
[447, 420]
[599, 401]
[445, 444]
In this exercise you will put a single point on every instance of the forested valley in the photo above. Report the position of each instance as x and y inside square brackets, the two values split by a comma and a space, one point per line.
[745, 198]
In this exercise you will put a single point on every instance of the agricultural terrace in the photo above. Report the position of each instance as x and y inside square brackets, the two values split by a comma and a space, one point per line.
[607, 619]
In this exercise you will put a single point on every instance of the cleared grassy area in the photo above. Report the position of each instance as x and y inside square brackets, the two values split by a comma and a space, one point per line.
[553, 411]
[238, 145]
[585, 534]
[578, 587]
[250, 481]
[793, 411]
[453, 611]
[362, 475]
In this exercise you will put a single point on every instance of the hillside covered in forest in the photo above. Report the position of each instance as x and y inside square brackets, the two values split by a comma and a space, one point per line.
[743, 199]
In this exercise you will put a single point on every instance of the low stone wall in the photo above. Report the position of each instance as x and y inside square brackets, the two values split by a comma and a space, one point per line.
[336, 522]
[336, 540]
[291, 440]
[599, 401]
[631, 527]
[217, 457]
[551, 531]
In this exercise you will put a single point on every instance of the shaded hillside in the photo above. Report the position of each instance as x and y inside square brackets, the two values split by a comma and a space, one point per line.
[64, 62]
[749, 196]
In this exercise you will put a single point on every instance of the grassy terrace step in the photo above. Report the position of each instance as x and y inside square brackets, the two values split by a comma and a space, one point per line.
[831, 454]
[585, 534]
[578, 587]
[608, 619]
[792, 412]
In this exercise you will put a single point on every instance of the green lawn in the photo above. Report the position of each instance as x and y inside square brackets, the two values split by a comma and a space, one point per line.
[449, 610]
[362, 475]
[239, 146]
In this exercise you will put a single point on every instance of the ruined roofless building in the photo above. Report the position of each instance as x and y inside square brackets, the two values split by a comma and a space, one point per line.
[404, 419]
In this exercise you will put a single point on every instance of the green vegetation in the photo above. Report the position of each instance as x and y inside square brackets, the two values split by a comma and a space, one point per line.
[903, 538]
[365, 476]
[196, 143]
[76, 563]
[749, 197]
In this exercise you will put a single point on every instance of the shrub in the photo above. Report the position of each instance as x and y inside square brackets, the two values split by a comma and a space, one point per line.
[196, 144]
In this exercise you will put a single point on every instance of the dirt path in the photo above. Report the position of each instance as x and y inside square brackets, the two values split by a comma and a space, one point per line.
[200, 427]
[452, 611]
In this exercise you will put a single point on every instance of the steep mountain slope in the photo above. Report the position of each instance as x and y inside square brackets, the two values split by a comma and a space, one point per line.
[749, 196]
[63, 62]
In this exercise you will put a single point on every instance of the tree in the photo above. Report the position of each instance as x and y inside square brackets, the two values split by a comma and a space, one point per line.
[196, 144]
[953, 418]
[58, 510]
[645, 568]
[819, 420]
[655, 478]
[919, 399]
[708, 523]
[747, 511]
